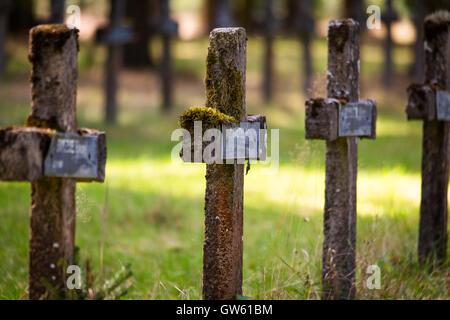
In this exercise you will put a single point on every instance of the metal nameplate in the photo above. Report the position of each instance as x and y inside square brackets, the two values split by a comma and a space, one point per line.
[248, 141]
[443, 105]
[72, 156]
[355, 119]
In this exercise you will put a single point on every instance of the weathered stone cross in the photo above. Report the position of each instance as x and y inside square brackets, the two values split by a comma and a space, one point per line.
[114, 36]
[168, 29]
[431, 103]
[225, 109]
[340, 120]
[52, 154]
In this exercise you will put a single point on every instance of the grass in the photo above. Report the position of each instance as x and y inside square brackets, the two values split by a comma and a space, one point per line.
[154, 208]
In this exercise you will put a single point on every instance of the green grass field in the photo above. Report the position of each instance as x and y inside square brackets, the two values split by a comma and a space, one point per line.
[154, 208]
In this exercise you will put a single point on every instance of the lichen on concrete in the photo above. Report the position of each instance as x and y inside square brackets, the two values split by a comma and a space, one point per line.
[55, 35]
[439, 17]
[225, 76]
[210, 117]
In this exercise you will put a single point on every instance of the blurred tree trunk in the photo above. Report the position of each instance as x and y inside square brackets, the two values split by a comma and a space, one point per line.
[388, 18]
[5, 6]
[355, 9]
[166, 71]
[218, 14]
[300, 21]
[21, 18]
[243, 11]
[418, 19]
[267, 85]
[57, 8]
[138, 53]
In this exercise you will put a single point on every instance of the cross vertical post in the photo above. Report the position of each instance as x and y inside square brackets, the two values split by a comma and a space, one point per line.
[431, 103]
[54, 86]
[225, 91]
[235, 137]
[340, 120]
[341, 165]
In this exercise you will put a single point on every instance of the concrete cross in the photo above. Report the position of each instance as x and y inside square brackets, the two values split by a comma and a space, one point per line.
[52, 154]
[301, 21]
[340, 120]
[225, 110]
[388, 17]
[114, 36]
[167, 28]
[430, 102]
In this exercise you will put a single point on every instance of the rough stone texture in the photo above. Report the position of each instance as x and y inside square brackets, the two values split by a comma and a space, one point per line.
[22, 152]
[53, 52]
[433, 206]
[421, 102]
[437, 50]
[343, 60]
[225, 90]
[321, 120]
[52, 233]
[339, 257]
[225, 66]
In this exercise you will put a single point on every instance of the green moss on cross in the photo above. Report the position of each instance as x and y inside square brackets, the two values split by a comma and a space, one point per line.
[210, 117]
[232, 79]
[48, 35]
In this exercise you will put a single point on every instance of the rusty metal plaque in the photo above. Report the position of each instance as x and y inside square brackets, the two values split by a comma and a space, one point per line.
[248, 141]
[356, 119]
[443, 105]
[72, 156]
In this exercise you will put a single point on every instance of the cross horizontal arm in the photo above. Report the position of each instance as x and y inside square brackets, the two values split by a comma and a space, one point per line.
[329, 119]
[421, 102]
[321, 120]
[114, 35]
[245, 144]
[23, 151]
